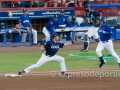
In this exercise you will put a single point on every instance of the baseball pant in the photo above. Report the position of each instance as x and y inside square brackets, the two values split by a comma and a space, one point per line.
[47, 34]
[34, 32]
[109, 47]
[45, 59]
[93, 32]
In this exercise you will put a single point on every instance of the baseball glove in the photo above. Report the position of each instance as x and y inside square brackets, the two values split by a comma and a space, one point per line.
[76, 38]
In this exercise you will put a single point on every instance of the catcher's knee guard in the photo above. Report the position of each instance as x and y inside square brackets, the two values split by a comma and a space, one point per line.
[97, 40]
[86, 38]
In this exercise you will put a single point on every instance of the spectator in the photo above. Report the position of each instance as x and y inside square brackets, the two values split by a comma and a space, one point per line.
[57, 3]
[17, 36]
[23, 4]
[118, 20]
[91, 1]
[41, 3]
[25, 22]
[72, 3]
[85, 3]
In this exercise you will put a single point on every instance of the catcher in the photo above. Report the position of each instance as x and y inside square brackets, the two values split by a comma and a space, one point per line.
[93, 21]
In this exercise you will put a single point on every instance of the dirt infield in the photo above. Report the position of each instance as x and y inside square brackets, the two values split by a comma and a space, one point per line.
[44, 80]
[56, 83]
[37, 48]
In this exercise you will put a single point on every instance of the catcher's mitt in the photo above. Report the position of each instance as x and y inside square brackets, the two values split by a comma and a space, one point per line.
[76, 38]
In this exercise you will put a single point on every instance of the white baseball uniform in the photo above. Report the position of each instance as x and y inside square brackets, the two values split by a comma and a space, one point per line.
[34, 32]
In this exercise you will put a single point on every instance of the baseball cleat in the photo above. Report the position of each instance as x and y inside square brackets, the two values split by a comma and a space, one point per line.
[102, 63]
[21, 72]
[64, 74]
[82, 50]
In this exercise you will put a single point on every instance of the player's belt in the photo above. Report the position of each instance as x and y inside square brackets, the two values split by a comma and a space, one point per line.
[49, 55]
[104, 41]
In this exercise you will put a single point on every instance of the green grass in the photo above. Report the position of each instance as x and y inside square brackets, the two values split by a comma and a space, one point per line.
[13, 62]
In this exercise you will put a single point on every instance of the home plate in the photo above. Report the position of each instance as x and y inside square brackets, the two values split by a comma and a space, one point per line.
[12, 75]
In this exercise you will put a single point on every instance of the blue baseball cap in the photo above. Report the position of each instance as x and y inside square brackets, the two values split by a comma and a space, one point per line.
[2, 24]
[55, 16]
[74, 17]
[24, 10]
[62, 11]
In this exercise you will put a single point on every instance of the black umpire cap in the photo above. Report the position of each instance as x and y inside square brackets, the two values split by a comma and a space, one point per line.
[54, 35]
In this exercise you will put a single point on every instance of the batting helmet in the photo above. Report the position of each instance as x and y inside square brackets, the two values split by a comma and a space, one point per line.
[54, 35]
[2, 24]
[103, 19]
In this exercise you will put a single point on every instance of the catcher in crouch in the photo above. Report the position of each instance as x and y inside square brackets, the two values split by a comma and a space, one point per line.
[93, 21]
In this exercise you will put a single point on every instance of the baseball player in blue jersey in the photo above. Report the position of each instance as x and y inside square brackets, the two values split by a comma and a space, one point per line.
[48, 30]
[68, 21]
[2, 29]
[74, 24]
[93, 21]
[62, 17]
[105, 33]
[16, 36]
[84, 23]
[49, 49]
[24, 21]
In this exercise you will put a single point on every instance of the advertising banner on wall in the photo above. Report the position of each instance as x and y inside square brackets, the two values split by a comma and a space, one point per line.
[15, 14]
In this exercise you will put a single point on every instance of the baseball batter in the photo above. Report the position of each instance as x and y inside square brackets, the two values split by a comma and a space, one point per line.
[105, 33]
[49, 50]
[92, 17]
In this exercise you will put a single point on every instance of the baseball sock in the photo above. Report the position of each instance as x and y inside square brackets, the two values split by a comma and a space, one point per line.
[101, 59]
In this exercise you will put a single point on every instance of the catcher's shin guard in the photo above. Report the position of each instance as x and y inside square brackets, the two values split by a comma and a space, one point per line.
[86, 45]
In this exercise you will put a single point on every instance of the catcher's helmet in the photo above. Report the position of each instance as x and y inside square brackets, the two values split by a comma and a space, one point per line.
[87, 6]
[103, 19]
